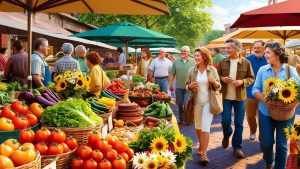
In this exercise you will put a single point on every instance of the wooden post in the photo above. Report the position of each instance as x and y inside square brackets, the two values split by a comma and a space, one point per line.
[29, 41]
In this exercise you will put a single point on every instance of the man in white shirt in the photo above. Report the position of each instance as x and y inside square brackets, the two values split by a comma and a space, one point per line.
[122, 57]
[159, 69]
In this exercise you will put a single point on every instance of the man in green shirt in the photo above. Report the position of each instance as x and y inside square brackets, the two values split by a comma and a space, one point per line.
[80, 52]
[217, 57]
[179, 70]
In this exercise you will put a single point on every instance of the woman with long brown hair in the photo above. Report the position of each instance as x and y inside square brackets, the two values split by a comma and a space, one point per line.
[145, 62]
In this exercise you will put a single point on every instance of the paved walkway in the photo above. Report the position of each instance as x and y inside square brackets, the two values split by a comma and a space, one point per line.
[220, 158]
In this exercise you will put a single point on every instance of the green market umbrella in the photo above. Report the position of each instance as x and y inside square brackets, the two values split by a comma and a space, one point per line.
[125, 33]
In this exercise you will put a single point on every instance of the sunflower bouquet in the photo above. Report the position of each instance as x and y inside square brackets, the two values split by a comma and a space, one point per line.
[162, 142]
[286, 90]
[71, 84]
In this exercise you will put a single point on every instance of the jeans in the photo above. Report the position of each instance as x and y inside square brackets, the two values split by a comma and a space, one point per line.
[267, 128]
[163, 84]
[239, 115]
[182, 97]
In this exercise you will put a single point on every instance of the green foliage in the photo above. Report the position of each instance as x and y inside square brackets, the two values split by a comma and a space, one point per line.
[214, 34]
[187, 21]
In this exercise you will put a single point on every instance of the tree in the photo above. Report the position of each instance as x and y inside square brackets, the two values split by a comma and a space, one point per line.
[187, 21]
[214, 34]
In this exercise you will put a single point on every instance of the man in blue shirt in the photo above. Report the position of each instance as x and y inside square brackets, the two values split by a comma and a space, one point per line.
[257, 60]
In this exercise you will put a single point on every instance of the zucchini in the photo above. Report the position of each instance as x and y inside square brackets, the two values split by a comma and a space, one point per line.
[99, 106]
[106, 95]
[111, 94]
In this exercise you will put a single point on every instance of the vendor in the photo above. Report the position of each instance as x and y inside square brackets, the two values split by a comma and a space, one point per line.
[144, 63]
[98, 78]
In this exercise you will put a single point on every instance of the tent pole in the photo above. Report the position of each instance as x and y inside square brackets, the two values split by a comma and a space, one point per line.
[136, 55]
[126, 50]
[29, 41]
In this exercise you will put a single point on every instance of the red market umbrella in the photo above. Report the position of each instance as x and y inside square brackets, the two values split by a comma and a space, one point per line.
[286, 13]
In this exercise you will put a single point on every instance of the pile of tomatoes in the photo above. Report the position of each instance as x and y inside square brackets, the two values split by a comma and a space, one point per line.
[48, 143]
[109, 153]
[17, 116]
[13, 154]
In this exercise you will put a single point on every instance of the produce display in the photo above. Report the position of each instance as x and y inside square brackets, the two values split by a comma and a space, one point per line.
[15, 154]
[138, 79]
[158, 109]
[4, 98]
[155, 87]
[130, 113]
[71, 113]
[141, 92]
[98, 107]
[161, 95]
[45, 98]
[112, 74]
[109, 102]
[116, 87]
[109, 94]
[17, 116]
[109, 153]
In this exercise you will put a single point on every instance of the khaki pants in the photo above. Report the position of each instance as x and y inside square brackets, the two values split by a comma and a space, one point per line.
[251, 111]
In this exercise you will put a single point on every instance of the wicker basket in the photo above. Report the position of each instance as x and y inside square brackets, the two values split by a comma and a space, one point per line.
[105, 117]
[36, 164]
[63, 161]
[282, 111]
[140, 99]
[80, 134]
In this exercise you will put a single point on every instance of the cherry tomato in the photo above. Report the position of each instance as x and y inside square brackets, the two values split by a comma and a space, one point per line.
[97, 155]
[36, 109]
[85, 153]
[42, 148]
[90, 164]
[71, 142]
[26, 136]
[7, 112]
[104, 164]
[6, 124]
[58, 136]
[42, 135]
[77, 163]
[20, 107]
[55, 149]
[119, 163]
[20, 122]
[94, 138]
[66, 148]
[33, 120]
[111, 155]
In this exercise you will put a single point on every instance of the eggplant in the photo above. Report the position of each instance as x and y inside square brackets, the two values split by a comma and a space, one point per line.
[47, 97]
[26, 96]
[51, 95]
[39, 99]
[54, 94]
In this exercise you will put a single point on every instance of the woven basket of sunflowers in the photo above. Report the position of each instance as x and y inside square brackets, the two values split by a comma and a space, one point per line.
[72, 84]
[282, 97]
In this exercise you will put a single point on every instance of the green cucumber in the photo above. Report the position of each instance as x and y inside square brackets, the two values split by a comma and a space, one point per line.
[111, 94]
[101, 106]
[106, 95]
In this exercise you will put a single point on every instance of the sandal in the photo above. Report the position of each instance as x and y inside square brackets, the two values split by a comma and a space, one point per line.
[204, 160]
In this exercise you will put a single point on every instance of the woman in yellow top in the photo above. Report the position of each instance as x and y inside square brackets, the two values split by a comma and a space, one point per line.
[144, 63]
[98, 78]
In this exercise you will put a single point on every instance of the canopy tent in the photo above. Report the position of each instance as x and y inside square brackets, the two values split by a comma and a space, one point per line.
[140, 43]
[126, 33]
[141, 7]
[286, 13]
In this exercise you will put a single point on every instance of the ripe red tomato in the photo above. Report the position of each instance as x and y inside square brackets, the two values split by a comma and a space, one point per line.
[111, 155]
[121, 146]
[42, 135]
[7, 112]
[79, 149]
[97, 155]
[42, 148]
[85, 153]
[90, 164]
[33, 120]
[55, 149]
[111, 140]
[26, 136]
[20, 122]
[71, 142]
[130, 153]
[94, 138]
[124, 156]
[36, 109]
[77, 163]
[102, 145]
[119, 163]
[58, 136]
[20, 107]
[66, 147]
[104, 164]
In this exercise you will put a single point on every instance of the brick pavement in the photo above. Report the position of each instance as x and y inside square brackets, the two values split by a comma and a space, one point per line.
[220, 158]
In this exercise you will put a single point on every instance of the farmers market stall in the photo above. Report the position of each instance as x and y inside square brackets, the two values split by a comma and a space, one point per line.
[62, 127]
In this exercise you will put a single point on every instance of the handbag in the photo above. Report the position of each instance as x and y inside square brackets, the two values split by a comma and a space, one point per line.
[216, 100]
[188, 116]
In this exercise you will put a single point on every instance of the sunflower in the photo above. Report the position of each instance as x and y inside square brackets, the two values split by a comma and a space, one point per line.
[271, 81]
[161, 160]
[287, 94]
[179, 143]
[151, 164]
[159, 144]
[61, 85]
[67, 74]
[139, 160]
[57, 78]
[80, 83]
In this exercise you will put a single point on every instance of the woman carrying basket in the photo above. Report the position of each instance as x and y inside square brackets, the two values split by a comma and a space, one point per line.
[277, 67]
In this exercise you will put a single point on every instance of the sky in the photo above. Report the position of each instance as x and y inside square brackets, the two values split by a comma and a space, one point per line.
[227, 11]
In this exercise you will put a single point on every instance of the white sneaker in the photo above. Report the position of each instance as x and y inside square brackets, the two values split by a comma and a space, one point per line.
[252, 136]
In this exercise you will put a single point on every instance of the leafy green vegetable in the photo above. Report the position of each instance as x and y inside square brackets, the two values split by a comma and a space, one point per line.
[138, 79]
[15, 86]
[4, 98]
[112, 74]
[70, 113]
